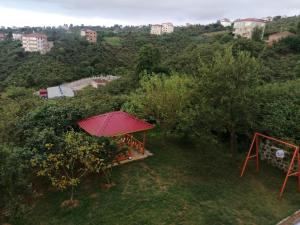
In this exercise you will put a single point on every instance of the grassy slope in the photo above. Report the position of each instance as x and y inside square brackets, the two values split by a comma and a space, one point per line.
[178, 185]
[114, 41]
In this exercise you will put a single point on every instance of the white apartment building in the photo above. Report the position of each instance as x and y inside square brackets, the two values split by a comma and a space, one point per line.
[82, 33]
[35, 43]
[245, 27]
[164, 28]
[156, 29]
[167, 28]
[17, 37]
[225, 22]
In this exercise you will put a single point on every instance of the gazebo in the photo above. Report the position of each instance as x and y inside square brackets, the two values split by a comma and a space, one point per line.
[118, 124]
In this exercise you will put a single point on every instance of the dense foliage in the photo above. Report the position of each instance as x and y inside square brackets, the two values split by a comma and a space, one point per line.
[197, 81]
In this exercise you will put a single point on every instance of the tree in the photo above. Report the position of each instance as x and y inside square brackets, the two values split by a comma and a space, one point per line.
[298, 28]
[161, 99]
[47, 124]
[278, 113]
[80, 155]
[16, 102]
[148, 59]
[255, 48]
[257, 34]
[225, 98]
[14, 180]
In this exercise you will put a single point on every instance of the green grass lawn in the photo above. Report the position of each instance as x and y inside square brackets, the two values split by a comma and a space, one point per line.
[180, 184]
[114, 41]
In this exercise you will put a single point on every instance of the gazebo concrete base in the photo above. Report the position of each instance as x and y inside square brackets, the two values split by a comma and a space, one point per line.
[134, 156]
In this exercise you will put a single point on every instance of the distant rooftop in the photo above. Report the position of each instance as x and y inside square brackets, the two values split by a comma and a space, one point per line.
[60, 91]
[225, 20]
[38, 35]
[250, 20]
[88, 30]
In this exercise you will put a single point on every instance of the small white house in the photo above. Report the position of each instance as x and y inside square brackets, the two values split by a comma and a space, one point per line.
[59, 91]
[225, 22]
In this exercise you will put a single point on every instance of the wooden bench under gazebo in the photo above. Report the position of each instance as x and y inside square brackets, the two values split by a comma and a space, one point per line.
[123, 125]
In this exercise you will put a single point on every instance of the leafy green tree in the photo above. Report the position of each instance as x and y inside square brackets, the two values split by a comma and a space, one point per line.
[190, 59]
[79, 156]
[14, 181]
[16, 102]
[148, 59]
[162, 99]
[255, 48]
[298, 28]
[39, 71]
[257, 34]
[278, 113]
[225, 93]
[47, 124]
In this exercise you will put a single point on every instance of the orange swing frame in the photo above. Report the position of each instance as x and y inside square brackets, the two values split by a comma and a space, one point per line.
[255, 155]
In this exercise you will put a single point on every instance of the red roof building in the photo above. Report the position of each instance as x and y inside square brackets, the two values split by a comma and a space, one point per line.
[121, 124]
[113, 124]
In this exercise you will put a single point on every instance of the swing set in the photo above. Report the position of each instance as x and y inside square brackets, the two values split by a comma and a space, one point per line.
[281, 154]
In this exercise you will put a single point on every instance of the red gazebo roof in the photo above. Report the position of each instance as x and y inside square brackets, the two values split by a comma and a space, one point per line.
[113, 124]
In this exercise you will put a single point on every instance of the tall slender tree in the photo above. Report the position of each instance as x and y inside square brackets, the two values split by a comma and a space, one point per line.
[226, 92]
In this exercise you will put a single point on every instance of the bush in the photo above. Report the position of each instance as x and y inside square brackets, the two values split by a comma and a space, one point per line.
[162, 99]
[279, 113]
[46, 124]
[14, 181]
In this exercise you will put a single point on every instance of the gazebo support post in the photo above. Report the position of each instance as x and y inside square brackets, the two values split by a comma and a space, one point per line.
[144, 142]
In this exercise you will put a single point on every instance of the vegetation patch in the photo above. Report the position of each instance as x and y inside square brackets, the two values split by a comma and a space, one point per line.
[114, 41]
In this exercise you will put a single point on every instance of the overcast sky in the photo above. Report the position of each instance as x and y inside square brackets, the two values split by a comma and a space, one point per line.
[136, 12]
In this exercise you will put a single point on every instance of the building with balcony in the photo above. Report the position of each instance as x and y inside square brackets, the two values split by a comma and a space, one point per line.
[89, 35]
[167, 28]
[35, 43]
[164, 28]
[245, 27]
[156, 29]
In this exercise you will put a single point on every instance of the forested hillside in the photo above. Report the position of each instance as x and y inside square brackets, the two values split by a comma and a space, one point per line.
[196, 85]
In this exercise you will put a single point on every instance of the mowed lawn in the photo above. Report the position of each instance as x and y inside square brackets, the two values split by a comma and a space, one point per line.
[181, 184]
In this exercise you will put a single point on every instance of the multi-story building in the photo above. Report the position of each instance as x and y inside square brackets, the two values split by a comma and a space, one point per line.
[164, 28]
[2, 36]
[225, 22]
[90, 35]
[17, 37]
[156, 29]
[35, 43]
[167, 28]
[245, 27]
